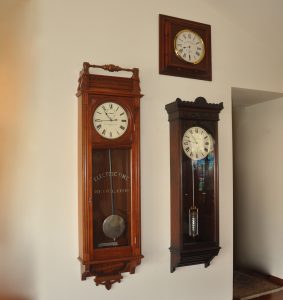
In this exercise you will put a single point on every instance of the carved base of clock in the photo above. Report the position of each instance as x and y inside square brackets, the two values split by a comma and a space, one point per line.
[192, 256]
[107, 273]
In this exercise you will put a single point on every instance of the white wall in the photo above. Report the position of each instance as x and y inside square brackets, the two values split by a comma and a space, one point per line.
[44, 194]
[258, 186]
[18, 148]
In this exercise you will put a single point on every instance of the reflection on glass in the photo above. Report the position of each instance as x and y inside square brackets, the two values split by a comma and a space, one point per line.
[111, 187]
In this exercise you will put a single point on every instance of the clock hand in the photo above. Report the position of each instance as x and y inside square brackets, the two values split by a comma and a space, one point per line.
[194, 139]
[108, 116]
[106, 120]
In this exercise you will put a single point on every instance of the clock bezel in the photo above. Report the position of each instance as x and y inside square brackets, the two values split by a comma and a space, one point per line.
[177, 52]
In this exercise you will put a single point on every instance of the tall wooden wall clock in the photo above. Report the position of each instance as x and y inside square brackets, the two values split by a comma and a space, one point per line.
[109, 174]
[184, 48]
[194, 181]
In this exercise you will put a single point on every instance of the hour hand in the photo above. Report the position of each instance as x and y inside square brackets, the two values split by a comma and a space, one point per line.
[194, 139]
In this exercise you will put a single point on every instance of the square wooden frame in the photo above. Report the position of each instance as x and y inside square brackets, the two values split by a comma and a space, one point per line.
[169, 62]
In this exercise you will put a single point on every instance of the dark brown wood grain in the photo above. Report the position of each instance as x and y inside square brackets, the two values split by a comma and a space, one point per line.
[273, 296]
[186, 250]
[107, 263]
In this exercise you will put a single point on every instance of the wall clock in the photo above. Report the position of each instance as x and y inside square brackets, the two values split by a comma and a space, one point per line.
[109, 173]
[194, 181]
[184, 48]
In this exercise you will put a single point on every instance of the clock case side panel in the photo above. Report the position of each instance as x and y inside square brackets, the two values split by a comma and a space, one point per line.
[175, 192]
[83, 187]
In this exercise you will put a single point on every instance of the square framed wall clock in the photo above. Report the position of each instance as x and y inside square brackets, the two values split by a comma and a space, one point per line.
[184, 48]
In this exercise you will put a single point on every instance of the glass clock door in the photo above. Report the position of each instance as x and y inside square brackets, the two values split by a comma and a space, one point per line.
[199, 199]
[111, 182]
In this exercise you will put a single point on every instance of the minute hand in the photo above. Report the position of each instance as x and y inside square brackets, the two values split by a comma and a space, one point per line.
[106, 120]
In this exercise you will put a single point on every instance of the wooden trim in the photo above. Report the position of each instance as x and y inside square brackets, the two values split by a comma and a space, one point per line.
[275, 280]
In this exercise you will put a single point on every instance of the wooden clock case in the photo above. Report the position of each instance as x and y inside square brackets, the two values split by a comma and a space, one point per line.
[184, 251]
[169, 62]
[107, 263]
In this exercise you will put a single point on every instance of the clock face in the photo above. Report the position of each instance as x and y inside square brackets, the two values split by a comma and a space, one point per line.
[110, 120]
[189, 46]
[197, 143]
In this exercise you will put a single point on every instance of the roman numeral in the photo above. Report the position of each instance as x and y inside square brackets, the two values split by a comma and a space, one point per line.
[122, 127]
[104, 131]
[98, 127]
[111, 105]
[122, 114]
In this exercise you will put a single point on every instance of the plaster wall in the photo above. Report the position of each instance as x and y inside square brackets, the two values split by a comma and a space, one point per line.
[39, 126]
[258, 179]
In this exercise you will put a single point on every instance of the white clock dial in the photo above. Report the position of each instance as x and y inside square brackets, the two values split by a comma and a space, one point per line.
[189, 46]
[110, 120]
[197, 143]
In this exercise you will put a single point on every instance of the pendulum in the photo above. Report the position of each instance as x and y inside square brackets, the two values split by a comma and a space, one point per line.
[193, 211]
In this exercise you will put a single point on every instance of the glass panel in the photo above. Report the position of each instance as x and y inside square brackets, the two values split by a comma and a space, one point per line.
[111, 197]
[199, 199]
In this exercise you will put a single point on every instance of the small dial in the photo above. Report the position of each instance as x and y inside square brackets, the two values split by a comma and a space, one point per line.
[197, 143]
[110, 120]
[189, 46]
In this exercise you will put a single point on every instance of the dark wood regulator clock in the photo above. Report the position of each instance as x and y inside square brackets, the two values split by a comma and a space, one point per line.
[109, 174]
[194, 181]
[184, 48]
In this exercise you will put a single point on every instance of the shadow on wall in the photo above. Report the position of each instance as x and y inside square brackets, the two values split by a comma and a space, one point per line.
[16, 253]
[7, 297]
